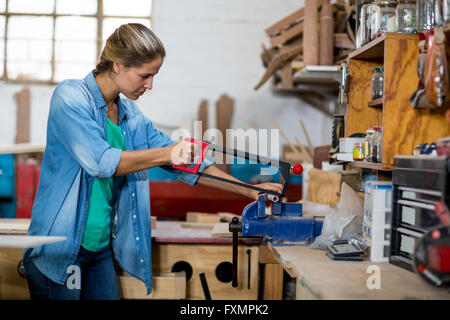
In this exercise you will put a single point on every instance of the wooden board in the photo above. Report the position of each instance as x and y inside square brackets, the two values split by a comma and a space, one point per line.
[12, 285]
[221, 230]
[14, 226]
[324, 187]
[23, 115]
[166, 285]
[224, 117]
[196, 225]
[22, 148]
[200, 217]
[403, 126]
[324, 278]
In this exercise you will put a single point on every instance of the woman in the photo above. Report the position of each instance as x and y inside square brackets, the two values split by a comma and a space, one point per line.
[93, 186]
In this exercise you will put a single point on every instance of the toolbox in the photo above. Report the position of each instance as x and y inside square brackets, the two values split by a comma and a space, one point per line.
[419, 183]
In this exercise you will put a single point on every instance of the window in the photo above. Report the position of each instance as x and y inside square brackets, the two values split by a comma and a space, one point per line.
[51, 40]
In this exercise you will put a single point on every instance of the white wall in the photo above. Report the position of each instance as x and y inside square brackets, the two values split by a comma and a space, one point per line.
[213, 47]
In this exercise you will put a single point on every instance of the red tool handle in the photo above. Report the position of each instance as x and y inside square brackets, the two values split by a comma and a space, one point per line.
[196, 167]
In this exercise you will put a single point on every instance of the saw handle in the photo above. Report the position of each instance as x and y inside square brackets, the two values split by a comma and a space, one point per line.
[197, 165]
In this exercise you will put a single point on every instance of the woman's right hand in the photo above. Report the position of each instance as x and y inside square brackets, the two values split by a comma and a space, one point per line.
[181, 153]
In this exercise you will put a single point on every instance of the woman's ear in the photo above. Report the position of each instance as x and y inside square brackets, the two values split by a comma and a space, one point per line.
[117, 67]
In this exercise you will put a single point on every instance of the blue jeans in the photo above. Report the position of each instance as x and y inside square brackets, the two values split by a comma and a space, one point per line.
[92, 277]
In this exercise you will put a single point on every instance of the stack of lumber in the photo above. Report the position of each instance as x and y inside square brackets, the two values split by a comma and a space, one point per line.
[318, 34]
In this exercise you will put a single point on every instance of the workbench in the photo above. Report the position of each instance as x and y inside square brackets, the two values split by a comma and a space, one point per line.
[319, 277]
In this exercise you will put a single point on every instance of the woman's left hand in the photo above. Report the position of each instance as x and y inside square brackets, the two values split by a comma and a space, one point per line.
[276, 187]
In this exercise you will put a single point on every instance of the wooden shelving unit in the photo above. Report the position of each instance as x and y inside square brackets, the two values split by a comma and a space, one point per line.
[403, 126]
[368, 165]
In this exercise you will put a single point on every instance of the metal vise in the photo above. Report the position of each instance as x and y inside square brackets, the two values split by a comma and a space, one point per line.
[286, 225]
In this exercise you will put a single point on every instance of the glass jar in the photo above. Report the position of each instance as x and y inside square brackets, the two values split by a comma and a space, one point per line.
[377, 82]
[377, 144]
[441, 12]
[446, 10]
[385, 17]
[368, 145]
[425, 14]
[406, 16]
[358, 151]
[364, 33]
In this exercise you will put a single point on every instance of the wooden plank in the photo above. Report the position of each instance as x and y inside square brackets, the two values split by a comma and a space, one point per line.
[403, 126]
[342, 40]
[369, 165]
[224, 117]
[287, 21]
[326, 39]
[14, 226]
[12, 285]
[166, 285]
[273, 282]
[195, 225]
[23, 115]
[22, 148]
[221, 230]
[203, 115]
[305, 132]
[201, 217]
[324, 187]
[311, 34]
[290, 34]
[286, 77]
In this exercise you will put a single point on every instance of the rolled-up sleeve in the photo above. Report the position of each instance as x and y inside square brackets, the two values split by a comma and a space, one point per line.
[71, 119]
[158, 139]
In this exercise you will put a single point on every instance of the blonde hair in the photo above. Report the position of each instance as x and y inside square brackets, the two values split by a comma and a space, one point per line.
[132, 45]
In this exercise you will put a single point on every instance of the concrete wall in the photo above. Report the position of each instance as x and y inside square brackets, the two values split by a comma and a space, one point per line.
[213, 47]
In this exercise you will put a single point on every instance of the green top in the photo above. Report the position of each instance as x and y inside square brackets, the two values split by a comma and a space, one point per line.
[98, 226]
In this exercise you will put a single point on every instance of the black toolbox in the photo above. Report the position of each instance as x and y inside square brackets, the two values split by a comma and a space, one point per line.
[419, 182]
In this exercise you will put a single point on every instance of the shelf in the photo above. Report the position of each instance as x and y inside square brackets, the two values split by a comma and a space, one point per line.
[377, 103]
[371, 50]
[369, 165]
[374, 50]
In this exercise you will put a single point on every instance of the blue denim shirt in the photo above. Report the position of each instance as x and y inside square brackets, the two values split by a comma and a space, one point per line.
[77, 152]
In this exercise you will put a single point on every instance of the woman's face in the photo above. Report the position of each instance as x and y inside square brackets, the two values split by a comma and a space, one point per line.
[134, 81]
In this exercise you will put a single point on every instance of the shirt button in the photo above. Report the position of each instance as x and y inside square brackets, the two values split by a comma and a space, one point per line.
[133, 194]
[134, 216]
[123, 132]
[142, 260]
[137, 238]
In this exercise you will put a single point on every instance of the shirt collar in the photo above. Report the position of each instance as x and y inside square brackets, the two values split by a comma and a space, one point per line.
[98, 97]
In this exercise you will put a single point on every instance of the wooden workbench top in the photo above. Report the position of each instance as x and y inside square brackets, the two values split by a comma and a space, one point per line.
[182, 232]
[347, 280]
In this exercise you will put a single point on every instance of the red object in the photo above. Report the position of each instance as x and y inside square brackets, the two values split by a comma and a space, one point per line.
[443, 212]
[26, 186]
[199, 160]
[298, 169]
[439, 258]
[176, 198]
